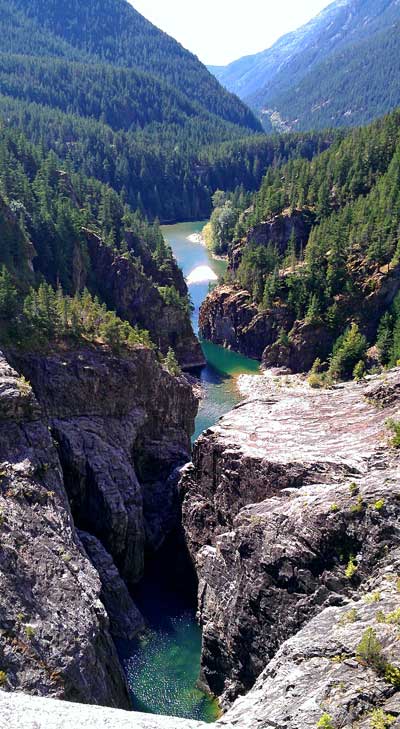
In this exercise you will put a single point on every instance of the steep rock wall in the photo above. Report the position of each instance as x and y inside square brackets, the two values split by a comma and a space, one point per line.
[230, 318]
[122, 425]
[88, 440]
[54, 631]
[276, 232]
[133, 294]
[283, 494]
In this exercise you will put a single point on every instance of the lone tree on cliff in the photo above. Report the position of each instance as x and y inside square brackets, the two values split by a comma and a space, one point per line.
[172, 364]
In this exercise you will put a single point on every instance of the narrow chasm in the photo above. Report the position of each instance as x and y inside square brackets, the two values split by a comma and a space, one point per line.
[153, 618]
[162, 663]
[122, 431]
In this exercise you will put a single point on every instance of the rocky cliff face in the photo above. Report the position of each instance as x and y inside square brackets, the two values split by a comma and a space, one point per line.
[291, 512]
[291, 503]
[317, 672]
[230, 318]
[54, 631]
[276, 232]
[95, 447]
[132, 292]
[122, 425]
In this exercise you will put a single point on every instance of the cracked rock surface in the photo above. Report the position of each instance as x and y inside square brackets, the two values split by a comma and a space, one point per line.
[54, 630]
[292, 502]
[88, 440]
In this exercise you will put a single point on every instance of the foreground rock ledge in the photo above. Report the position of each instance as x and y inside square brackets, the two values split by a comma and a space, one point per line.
[284, 493]
[18, 711]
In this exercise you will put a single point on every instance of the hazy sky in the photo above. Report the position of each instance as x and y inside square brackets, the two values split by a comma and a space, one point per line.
[220, 31]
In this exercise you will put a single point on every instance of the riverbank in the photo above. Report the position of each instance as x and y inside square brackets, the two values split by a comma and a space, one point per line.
[199, 238]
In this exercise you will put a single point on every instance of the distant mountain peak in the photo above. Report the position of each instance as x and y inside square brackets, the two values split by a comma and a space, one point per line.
[326, 51]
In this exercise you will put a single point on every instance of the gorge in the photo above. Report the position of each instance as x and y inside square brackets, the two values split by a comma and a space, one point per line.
[186, 537]
[163, 669]
[291, 613]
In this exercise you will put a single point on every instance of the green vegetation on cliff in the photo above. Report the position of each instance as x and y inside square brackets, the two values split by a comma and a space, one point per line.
[61, 232]
[47, 317]
[348, 199]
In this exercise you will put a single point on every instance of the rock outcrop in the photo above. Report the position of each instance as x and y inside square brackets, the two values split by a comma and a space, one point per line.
[291, 503]
[276, 232]
[131, 290]
[125, 619]
[317, 672]
[306, 343]
[230, 318]
[88, 440]
[54, 631]
[122, 425]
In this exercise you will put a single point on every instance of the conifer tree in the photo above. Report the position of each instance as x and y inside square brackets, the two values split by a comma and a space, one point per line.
[172, 364]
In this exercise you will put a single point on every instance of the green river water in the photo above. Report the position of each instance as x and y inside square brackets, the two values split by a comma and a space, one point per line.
[163, 665]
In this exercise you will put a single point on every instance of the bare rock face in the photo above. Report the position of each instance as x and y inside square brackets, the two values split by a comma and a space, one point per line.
[317, 671]
[125, 618]
[87, 440]
[276, 232]
[291, 503]
[230, 318]
[307, 342]
[54, 631]
[122, 425]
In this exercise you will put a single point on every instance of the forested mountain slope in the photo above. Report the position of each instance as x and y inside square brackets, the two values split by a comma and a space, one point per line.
[113, 32]
[72, 253]
[353, 86]
[321, 254]
[122, 102]
[340, 69]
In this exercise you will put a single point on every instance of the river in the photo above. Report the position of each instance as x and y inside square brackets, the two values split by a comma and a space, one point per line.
[163, 665]
[223, 366]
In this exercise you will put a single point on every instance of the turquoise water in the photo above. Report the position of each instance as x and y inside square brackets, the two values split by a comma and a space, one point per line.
[163, 666]
[218, 378]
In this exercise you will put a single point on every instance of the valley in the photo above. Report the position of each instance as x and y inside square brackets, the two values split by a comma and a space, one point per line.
[199, 373]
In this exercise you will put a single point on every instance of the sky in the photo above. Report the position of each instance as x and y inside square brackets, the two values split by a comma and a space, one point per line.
[220, 31]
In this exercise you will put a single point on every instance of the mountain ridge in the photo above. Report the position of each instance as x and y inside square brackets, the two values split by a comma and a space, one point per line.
[114, 32]
[272, 80]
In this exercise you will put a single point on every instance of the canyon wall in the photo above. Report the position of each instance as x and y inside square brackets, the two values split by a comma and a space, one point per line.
[291, 510]
[291, 504]
[89, 441]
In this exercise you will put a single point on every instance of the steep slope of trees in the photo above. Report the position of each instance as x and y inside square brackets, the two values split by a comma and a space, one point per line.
[349, 268]
[340, 69]
[48, 216]
[113, 32]
[353, 86]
